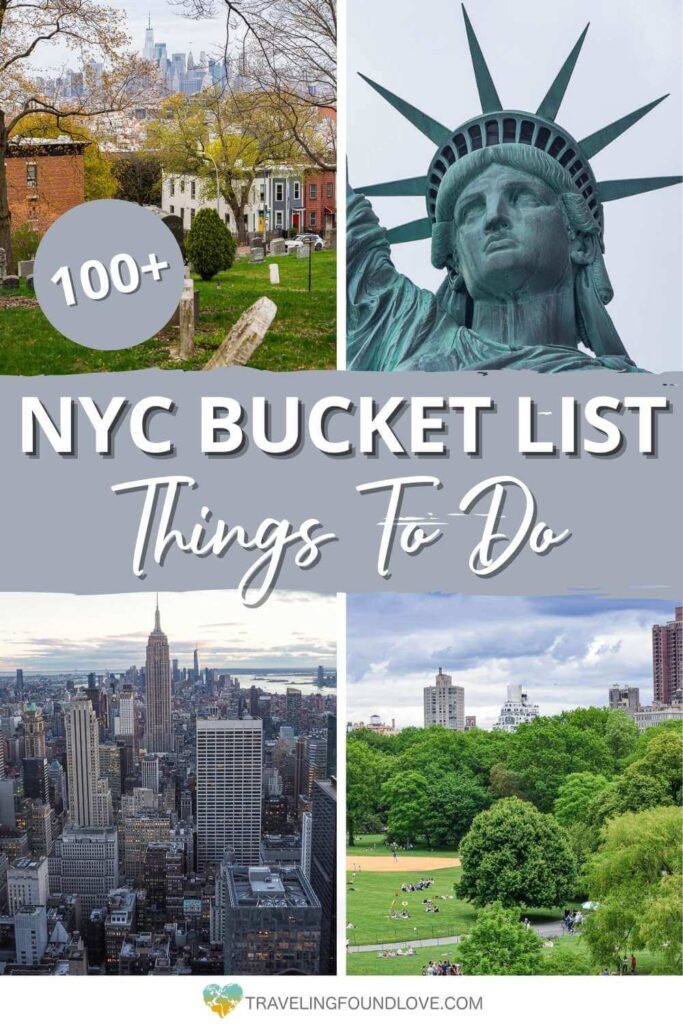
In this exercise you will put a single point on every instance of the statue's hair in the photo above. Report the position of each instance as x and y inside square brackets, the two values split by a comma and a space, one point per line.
[532, 161]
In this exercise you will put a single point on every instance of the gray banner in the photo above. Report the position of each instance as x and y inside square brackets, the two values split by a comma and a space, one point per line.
[615, 517]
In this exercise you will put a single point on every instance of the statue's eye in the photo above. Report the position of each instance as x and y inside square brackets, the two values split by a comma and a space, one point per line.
[469, 212]
[523, 196]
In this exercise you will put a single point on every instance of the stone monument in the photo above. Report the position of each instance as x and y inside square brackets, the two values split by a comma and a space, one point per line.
[515, 218]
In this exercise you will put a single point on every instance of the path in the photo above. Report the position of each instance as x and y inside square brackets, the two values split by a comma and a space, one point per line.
[551, 930]
[404, 864]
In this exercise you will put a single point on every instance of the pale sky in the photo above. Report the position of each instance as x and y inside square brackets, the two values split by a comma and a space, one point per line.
[66, 632]
[631, 56]
[566, 651]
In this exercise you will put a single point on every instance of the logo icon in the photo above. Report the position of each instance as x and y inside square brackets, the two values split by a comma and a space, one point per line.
[223, 1000]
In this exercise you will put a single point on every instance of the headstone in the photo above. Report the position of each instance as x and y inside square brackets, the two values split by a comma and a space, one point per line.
[303, 251]
[257, 254]
[245, 337]
[274, 273]
[29, 283]
[3, 263]
[186, 316]
[10, 282]
[175, 319]
[278, 247]
[25, 267]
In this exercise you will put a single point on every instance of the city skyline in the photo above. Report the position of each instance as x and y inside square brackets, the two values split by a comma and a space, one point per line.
[564, 651]
[110, 631]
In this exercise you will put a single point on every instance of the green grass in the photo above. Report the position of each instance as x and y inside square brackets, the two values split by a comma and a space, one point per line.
[374, 846]
[302, 336]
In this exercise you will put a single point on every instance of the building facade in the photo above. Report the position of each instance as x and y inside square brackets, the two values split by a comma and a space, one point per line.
[625, 698]
[323, 868]
[85, 863]
[444, 704]
[158, 734]
[45, 179]
[83, 764]
[667, 660]
[516, 710]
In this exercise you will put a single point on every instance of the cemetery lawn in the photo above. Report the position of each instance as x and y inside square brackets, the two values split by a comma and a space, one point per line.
[302, 336]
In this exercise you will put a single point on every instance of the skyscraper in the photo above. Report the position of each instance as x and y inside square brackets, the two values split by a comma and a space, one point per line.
[127, 712]
[34, 732]
[444, 704]
[229, 781]
[667, 660]
[626, 698]
[196, 665]
[19, 686]
[516, 710]
[158, 736]
[83, 764]
[323, 868]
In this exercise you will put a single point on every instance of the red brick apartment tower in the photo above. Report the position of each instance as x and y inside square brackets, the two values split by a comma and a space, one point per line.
[45, 178]
[667, 659]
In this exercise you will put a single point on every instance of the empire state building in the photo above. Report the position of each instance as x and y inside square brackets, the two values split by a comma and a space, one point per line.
[158, 735]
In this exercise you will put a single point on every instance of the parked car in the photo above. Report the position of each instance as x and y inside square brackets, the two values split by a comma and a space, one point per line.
[308, 239]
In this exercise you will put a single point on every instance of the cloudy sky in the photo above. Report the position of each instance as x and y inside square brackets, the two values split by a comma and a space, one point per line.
[567, 651]
[180, 34]
[63, 632]
[632, 55]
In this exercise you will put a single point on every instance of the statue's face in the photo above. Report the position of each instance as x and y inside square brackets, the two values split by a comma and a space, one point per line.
[511, 235]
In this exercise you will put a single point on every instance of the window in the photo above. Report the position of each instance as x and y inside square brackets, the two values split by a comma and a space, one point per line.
[182, 184]
[193, 190]
[192, 213]
[262, 194]
[33, 209]
[330, 190]
[278, 218]
[171, 186]
[296, 191]
[279, 191]
[32, 175]
[181, 214]
[171, 208]
[311, 218]
[312, 191]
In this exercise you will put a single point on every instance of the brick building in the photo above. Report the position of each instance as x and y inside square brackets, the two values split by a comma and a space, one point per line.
[45, 178]
[320, 198]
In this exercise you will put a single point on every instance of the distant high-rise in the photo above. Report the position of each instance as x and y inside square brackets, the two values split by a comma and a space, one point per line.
[150, 772]
[30, 931]
[229, 786]
[149, 41]
[323, 868]
[19, 685]
[85, 863]
[444, 704]
[27, 883]
[667, 660]
[34, 732]
[306, 839]
[158, 736]
[293, 707]
[516, 710]
[627, 698]
[196, 665]
[35, 779]
[83, 764]
[127, 712]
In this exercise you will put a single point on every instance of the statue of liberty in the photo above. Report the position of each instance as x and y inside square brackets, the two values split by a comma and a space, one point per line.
[515, 217]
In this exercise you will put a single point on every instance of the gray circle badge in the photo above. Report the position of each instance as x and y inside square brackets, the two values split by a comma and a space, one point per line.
[109, 274]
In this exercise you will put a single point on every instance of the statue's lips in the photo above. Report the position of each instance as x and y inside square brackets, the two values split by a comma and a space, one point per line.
[500, 244]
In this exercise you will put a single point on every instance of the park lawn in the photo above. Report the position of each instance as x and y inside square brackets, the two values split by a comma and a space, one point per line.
[374, 846]
[302, 336]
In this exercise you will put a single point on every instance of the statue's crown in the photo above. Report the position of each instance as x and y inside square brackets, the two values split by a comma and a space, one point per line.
[496, 126]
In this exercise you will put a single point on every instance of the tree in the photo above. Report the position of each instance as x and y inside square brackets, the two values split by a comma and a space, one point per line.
[500, 944]
[364, 777]
[138, 178]
[287, 49]
[565, 961]
[621, 736]
[517, 855]
[576, 795]
[662, 759]
[407, 798]
[90, 30]
[454, 802]
[210, 247]
[636, 877]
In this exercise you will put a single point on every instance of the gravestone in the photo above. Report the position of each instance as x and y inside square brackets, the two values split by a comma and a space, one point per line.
[245, 337]
[257, 254]
[278, 247]
[186, 319]
[274, 273]
[29, 283]
[303, 251]
[3, 263]
[25, 268]
[10, 282]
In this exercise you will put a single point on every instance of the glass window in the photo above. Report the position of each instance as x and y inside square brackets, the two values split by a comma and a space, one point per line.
[279, 191]
[32, 175]
[330, 190]
[296, 190]
[278, 218]
[172, 186]
[193, 190]
[182, 184]
[312, 218]
[312, 191]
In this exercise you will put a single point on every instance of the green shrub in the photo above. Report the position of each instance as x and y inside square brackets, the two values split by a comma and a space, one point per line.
[209, 245]
[25, 242]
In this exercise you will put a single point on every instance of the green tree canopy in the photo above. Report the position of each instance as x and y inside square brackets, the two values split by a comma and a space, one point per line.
[516, 854]
[365, 772]
[407, 797]
[210, 247]
[454, 802]
[500, 944]
[576, 795]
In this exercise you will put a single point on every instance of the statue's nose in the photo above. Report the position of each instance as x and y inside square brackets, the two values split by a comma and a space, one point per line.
[497, 214]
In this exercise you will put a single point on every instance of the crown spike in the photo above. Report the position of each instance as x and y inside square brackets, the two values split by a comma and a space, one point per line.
[434, 131]
[555, 94]
[405, 187]
[415, 231]
[485, 87]
[596, 142]
[623, 188]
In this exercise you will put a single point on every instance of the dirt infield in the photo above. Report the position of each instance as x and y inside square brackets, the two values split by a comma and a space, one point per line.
[403, 864]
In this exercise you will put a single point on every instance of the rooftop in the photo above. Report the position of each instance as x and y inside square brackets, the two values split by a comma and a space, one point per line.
[268, 887]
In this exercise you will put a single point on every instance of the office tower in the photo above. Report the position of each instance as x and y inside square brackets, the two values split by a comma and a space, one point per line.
[127, 712]
[516, 710]
[196, 666]
[186, 805]
[150, 772]
[148, 52]
[158, 736]
[85, 863]
[82, 762]
[110, 769]
[229, 786]
[104, 812]
[293, 707]
[2, 758]
[667, 660]
[323, 868]
[274, 815]
[331, 745]
[19, 685]
[136, 832]
[470, 722]
[39, 824]
[271, 921]
[27, 883]
[119, 922]
[300, 766]
[444, 704]
[100, 704]
[625, 697]
[8, 818]
[30, 935]
[315, 764]
[175, 672]
[321, 675]
[306, 840]
[57, 781]
[35, 777]
[34, 732]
